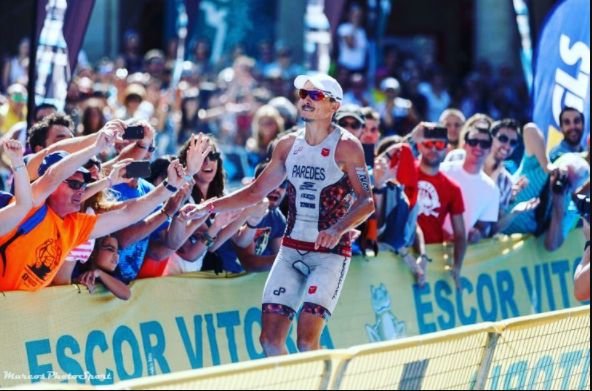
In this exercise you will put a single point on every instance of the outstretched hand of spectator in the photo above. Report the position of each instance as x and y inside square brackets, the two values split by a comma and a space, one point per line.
[520, 185]
[199, 148]
[257, 211]
[111, 132]
[175, 173]
[224, 218]
[174, 203]
[526, 206]
[14, 151]
[383, 172]
[117, 174]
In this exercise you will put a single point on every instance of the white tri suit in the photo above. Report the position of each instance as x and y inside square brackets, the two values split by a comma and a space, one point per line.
[319, 194]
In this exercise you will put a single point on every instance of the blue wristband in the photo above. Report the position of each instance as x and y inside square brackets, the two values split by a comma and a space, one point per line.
[169, 187]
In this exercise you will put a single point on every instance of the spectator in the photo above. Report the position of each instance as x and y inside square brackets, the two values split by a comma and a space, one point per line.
[350, 118]
[50, 130]
[357, 92]
[398, 115]
[352, 41]
[15, 110]
[16, 68]
[12, 214]
[93, 119]
[209, 183]
[62, 227]
[395, 196]
[267, 124]
[371, 129]
[453, 120]
[101, 266]
[571, 122]
[439, 197]
[437, 96]
[480, 194]
[552, 214]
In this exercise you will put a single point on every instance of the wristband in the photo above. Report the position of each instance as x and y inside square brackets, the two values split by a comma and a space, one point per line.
[251, 226]
[141, 146]
[16, 168]
[169, 187]
[165, 213]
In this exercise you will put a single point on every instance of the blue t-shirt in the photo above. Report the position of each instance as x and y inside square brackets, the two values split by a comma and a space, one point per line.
[132, 256]
[272, 226]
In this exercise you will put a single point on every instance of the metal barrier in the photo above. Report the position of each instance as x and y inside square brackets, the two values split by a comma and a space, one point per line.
[546, 351]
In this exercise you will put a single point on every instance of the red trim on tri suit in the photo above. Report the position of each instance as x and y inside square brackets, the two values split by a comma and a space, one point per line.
[309, 246]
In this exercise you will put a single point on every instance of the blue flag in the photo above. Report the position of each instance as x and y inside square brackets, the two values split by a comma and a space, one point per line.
[562, 68]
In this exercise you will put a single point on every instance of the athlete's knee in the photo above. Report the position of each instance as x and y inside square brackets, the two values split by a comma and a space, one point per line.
[307, 343]
[271, 344]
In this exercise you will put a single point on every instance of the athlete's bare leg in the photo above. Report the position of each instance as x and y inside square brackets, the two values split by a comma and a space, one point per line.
[310, 327]
[274, 331]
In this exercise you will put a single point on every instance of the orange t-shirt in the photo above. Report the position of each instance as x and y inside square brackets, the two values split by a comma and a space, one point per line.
[34, 258]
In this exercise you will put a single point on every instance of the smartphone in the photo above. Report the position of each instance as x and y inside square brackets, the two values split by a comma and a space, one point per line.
[133, 133]
[437, 132]
[139, 169]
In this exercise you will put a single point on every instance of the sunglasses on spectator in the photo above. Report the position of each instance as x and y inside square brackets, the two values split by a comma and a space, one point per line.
[214, 156]
[505, 140]
[193, 239]
[75, 185]
[373, 129]
[152, 148]
[313, 94]
[350, 124]
[473, 142]
[439, 145]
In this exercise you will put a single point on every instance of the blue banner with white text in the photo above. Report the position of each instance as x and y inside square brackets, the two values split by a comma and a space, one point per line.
[562, 68]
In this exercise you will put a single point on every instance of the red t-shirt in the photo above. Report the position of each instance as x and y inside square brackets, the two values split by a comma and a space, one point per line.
[438, 196]
[34, 258]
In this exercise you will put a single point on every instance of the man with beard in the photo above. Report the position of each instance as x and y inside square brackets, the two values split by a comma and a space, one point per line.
[328, 195]
[261, 237]
[571, 122]
[439, 197]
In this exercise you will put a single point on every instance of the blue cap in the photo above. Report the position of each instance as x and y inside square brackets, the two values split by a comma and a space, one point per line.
[54, 157]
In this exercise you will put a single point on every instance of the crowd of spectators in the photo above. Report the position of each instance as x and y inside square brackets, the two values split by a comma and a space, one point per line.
[80, 217]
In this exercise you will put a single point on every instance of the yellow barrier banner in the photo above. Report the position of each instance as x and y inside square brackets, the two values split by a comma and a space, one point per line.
[64, 334]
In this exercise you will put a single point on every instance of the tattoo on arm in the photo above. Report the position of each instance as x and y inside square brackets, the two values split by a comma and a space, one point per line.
[362, 174]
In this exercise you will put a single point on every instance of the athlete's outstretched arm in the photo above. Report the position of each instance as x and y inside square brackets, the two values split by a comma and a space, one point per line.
[270, 179]
[350, 157]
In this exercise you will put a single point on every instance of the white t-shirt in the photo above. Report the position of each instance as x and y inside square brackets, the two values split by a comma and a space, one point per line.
[480, 194]
[352, 58]
[177, 265]
[82, 252]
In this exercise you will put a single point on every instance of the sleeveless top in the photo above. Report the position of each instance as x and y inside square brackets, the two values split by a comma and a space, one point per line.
[318, 192]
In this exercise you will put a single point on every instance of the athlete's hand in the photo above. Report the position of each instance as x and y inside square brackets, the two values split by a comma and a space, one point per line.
[328, 238]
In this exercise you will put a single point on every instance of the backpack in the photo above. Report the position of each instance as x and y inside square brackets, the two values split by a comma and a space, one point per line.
[27, 226]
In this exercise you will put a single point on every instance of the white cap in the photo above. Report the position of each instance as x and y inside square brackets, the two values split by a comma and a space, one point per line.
[322, 82]
[390, 83]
